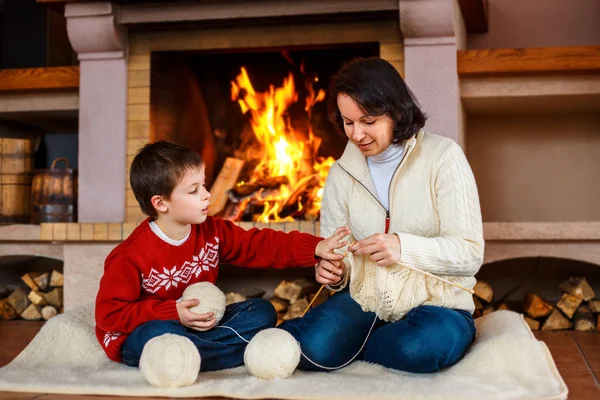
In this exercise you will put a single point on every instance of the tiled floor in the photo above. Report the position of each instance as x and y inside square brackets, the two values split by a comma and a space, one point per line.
[577, 356]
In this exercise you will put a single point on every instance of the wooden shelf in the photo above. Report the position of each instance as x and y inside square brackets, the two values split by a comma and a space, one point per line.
[39, 79]
[544, 60]
[526, 81]
[541, 231]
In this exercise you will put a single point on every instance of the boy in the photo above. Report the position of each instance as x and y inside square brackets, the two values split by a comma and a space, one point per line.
[179, 245]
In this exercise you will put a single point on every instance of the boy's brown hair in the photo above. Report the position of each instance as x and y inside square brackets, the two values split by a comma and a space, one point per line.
[157, 169]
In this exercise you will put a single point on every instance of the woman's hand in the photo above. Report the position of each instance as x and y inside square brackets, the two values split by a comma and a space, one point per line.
[382, 248]
[198, 322]
[329, 272]
[326, 247]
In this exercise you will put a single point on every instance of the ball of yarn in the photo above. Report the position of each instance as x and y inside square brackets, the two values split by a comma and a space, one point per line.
[212, 299]
[170, 361]
[272, 353]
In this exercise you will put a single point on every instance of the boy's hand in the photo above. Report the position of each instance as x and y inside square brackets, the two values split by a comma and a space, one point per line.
[329, 272]
[326, 247]
[199, 322]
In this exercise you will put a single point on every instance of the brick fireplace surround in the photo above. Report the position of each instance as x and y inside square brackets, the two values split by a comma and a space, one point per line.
[115, 43]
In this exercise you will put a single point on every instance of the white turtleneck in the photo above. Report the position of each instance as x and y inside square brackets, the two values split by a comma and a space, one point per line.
[382, 168]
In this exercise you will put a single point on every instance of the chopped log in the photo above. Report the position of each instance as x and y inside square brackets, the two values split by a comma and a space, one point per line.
[239, 192]
[534, 324]
[56, 279]
[49, 312]
[32, 313]
[484, 291]
[280, 305]
[4, 292]
[280, 316]
[568, 304]
[477, 313]
[18, 300]
[502, 306]
[578, 287]
[55, 297]
[7, 312]
[303, 189]
[294, 290]
[584, 319]
[594, 305]
[37, 298]
[296, 309]
[323, 296]
[43, 281]
[226, 180]
[488, 309]
[29, 279]
[535, 306]
[556, 321]
[252, 292]
[477, 302]
[232, 297]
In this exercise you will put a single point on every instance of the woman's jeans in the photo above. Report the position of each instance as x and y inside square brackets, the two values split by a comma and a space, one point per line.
[219, 348]
[427, 339]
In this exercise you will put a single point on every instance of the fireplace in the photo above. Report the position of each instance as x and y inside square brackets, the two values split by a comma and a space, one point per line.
[259, 113]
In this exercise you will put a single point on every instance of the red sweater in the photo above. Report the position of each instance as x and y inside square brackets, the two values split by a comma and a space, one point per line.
[144, 275]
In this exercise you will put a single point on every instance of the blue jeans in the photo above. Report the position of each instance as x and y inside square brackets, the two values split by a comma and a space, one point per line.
[219, 348]
[427, 339]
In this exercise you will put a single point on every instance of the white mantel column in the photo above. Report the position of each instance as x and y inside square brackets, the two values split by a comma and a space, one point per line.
[101, 45]
[433, 31]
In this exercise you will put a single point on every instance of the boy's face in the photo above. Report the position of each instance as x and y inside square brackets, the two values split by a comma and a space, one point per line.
[188, 204]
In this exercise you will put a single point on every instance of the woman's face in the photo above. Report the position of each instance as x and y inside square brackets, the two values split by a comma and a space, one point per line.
[371, 133]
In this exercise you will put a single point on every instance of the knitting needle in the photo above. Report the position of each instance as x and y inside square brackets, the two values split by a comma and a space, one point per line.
[439, 278]
[322, 286]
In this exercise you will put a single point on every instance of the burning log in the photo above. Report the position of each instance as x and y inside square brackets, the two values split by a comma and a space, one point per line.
[241, 192]
[303, 190]
[226, 180]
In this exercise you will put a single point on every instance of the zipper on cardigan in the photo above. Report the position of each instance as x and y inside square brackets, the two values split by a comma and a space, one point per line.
[387, 212]
[387, 221]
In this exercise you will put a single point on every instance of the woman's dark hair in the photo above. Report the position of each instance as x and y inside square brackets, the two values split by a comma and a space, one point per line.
[377, 88]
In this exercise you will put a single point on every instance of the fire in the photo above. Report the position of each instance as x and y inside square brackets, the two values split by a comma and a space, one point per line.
[280, 151]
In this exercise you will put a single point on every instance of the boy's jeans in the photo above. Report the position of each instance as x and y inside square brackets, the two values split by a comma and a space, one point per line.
[427, 339]
[219, 348]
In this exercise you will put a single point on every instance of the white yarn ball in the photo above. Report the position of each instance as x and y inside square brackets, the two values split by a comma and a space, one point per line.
[212, 299]
[170, 361]
[272, 353]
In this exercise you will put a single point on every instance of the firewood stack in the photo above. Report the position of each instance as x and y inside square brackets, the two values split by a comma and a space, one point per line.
[43, 298]
[290, 299]
[576, 309]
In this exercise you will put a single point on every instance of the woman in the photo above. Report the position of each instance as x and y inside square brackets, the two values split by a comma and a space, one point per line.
[410, 200]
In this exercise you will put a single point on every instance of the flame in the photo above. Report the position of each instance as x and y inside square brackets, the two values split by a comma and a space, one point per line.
[281, 150]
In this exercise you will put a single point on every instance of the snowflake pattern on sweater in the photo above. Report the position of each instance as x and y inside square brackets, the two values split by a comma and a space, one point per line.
[206, 259]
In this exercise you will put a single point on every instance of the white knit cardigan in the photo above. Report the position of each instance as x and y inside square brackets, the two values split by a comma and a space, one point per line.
[434, 210]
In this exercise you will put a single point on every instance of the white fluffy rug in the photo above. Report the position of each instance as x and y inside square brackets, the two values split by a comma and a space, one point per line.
[505, 362]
